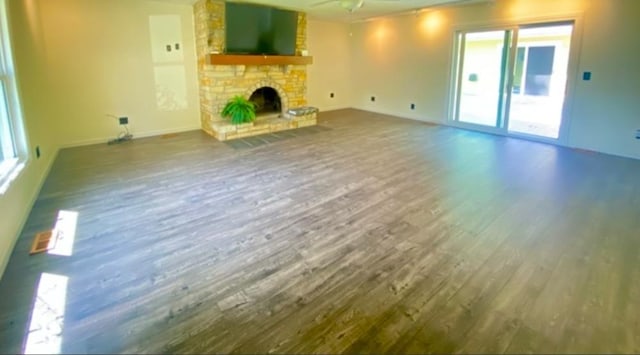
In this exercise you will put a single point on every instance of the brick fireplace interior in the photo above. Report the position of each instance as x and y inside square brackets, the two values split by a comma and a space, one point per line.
[266, 100]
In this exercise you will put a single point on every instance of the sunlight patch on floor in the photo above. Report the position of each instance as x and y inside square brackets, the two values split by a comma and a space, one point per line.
[65, 230]
[47, 317]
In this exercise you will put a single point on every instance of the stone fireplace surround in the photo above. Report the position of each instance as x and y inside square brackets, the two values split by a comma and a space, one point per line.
[219, 83]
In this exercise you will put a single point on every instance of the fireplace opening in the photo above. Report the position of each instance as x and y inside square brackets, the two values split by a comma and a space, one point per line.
[267, 101]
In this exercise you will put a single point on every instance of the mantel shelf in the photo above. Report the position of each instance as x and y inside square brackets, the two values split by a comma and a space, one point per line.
[231, 59]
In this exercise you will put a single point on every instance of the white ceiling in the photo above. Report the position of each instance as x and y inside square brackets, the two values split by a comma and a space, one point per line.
[333, 11]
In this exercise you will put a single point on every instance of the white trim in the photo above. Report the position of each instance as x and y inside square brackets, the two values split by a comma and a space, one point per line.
[7, 141]
[451, 100]
[573, 75]
[461, 44]
[136, 136]
[414, 117]
[16, 128]
[333, 108]
[9, 170]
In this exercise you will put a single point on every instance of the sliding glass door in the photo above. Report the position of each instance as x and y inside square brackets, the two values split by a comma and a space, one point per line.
[540, 80]
[513, 79]
[482, 76]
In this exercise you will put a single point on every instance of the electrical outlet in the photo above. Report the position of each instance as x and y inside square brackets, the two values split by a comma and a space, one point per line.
[123, 120]
[37, 152]
[373, 98]
[332, 95]
[413, 106]
[177, 46]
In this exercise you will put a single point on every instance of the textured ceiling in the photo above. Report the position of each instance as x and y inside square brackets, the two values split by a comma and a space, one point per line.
[333, 11]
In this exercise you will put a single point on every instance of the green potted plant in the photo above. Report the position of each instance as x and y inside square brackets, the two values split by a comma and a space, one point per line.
[239, 110]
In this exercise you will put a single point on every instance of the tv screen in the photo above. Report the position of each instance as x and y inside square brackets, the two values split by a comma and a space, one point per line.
[255, 29]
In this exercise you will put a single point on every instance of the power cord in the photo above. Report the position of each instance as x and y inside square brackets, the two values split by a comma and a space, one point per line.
[122, 136]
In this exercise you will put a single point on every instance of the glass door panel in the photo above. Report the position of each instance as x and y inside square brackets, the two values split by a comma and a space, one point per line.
[483, 60]
[540, 79]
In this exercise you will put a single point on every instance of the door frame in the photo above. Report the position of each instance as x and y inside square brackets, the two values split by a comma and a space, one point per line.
[573, 70]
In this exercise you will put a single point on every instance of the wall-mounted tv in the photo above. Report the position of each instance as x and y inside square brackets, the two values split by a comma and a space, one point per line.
[256, 29]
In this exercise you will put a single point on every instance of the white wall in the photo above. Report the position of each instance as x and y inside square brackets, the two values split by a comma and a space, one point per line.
[29, 57]
[108, 57]
[330, 44]
[78, 60]
[606, 110]
[407, 59]
[399, 63]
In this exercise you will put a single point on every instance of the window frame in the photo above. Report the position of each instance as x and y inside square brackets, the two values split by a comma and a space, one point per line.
[10, 167]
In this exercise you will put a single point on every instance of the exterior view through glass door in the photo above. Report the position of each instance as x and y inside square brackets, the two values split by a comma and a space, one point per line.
[482, 80]
[513, 79]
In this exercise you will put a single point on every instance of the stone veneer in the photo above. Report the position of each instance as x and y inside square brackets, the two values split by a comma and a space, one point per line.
[223, 131]
[219, 83]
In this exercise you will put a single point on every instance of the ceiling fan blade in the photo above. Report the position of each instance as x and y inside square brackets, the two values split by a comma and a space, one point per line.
[323, 3]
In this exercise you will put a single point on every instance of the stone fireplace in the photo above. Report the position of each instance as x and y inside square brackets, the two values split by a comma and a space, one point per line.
[274, 87]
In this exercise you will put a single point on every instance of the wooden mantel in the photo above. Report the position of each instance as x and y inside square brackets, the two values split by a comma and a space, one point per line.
[234, 59]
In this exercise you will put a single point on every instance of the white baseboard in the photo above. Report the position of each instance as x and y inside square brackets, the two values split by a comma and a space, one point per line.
[135, 136]
[6, 255]
[414, 117]
[333, 108]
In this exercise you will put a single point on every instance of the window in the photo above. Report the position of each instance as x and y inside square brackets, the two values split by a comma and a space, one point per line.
[7, 149]
[11, 137]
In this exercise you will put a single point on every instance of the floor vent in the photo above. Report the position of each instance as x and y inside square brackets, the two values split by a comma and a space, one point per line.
[43, 241]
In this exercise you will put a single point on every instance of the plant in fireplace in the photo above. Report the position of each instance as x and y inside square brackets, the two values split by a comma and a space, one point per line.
[239, 110]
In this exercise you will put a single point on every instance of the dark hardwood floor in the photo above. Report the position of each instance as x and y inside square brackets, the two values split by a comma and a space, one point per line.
[373, 235]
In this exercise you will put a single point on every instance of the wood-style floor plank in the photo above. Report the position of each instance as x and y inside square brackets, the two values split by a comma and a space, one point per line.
[367, 234]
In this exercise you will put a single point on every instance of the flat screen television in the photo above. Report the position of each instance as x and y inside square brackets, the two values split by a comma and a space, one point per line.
[256, 29]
